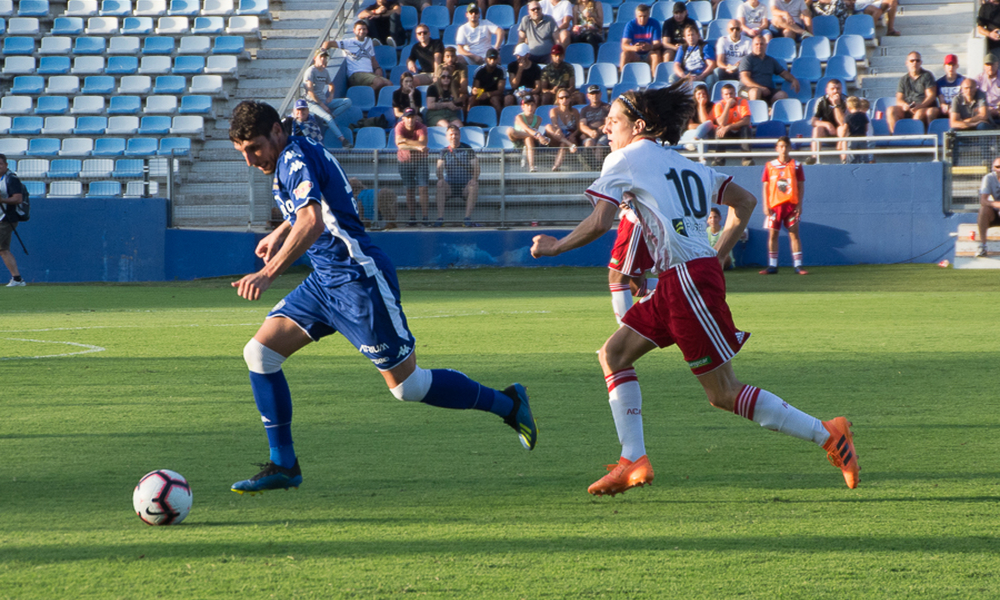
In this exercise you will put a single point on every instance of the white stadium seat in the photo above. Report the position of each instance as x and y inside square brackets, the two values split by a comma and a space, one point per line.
[77, 146]
[135, 84]
[55, 44]
[172, 25]
[18, 65]
[102, 26]
[65, 189]
[87, 105]
[154, 65]
[195, 44]
[23, 26]
[188, 125]
[59, 125]
[150, 8]
[209, 85]
[63, 85]
[127, 45]
[160, 105]
[88, 65]
[221, 65]
[244, 26]
[218, 7]
[122, 125]
[16, 105]
[81, 8]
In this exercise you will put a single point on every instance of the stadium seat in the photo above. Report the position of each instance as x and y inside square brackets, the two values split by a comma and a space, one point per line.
[88, 65]
[578, 54]
[809, 109]
[64, 168]
[43, 147]
[229, 44]
[57, 44]
[727, 9]
[26, 125]
[188, 126]
[123, 45]
[59, 125]
[109, 147]
[821, 85]
[700, 10]
[161, 45]
[758, 112]
[827, 26]
[160, 105]
[860, 24]
[116, 8]
[938, 127]
[33, 167]
[87, 105]
[170, 84]
[497, 137]
[101, 189]
[20, 65]
[155, 65]
[97, 168]
[88, 46]
[122, 125]
[124, 105]
[508, 114]
[769, 129]
[474, 136]
[102, 26]
[716, 30]
[196, 105]
[500, 14]
[35, 188]
[385, 95]
[385, 111]
[636, 74]
[76, 146]
[361, 96]
[129, 168]
[609, 53]
[661, 11]
[172, 25]
[852, 45]
[222, 65]
[140, 147]
[81, 8]
[122, 65]
[135, 84]
[370, 138]
[172, 146]
[348, 117]
[23, 46]
[386, 57]
[90, 125]
[53, 65]
[222, 8]
[11, 146]
[800, 129]
[67, 26]
[437, 138]
[817, 47]
[786, 110]
[904, 127]
[450, 35]
[23, 26]
[98, 85]
[52, 105]
[137, 189]
[807, 69]
[191, 65]
[33, 8]
[436, 17]
[7, 10]
[603, 74]
[484, 115]
[184, 8]
[16, 105]
[782, 49]
[239, 25]
[195, 44]
[4, 128]
[209, 85]
[65, 189]
[259, 8]
[150, 8]
[208, 26]
[626, 12]
[842, 67]
[137, 26]
[28, 85]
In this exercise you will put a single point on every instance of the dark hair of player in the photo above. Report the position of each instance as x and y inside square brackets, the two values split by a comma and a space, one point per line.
[3, 157]
[666, 111]
[251, 119]
[716, 212]
[785, 140]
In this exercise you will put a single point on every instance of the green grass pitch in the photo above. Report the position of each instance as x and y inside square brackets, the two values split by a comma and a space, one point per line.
[404, 500]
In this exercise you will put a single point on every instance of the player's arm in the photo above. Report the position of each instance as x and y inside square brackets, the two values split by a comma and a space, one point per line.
[742, 202]
[591, 228]
[298, 238]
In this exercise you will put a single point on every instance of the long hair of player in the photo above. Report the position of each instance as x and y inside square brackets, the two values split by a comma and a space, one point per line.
[666, 111]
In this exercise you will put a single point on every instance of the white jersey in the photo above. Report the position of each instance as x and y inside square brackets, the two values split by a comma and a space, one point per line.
[478, 39]
[359, 55]
[672, 198]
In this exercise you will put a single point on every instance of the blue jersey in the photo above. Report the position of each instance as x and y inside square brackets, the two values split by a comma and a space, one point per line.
[305, 173]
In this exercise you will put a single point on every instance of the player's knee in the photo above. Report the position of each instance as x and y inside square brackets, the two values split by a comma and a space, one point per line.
[261, 359]
[415, 387]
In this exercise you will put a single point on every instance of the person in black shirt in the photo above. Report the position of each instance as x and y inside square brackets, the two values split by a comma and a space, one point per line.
[425, 56]
[407, 96]
[988, 24]
[457, 175]
[523, 73]
[11, 194]
[384, 22]
[829, 120]
[673, 31]
[489, 83]
[445, 100]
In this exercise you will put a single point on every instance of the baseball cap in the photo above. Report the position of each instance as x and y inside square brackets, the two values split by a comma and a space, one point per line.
[521, 50]
[409, 112]
[679, 7]
[951, 59]
[990, 59]
[473, 8]
[301, 104]
[594, 89]
[492, 53]
[557, 49]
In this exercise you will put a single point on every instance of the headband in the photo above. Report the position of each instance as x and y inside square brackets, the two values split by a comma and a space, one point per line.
[628, 104]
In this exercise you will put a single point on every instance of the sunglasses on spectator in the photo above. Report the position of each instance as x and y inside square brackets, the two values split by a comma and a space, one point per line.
[996, 166]
[536, 9]
[422, 32]
[564, 97]
[734, 29]
[915, 60]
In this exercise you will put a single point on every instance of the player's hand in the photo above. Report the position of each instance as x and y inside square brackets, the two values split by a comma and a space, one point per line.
[543, 245]
[266, 248]
[252, 286]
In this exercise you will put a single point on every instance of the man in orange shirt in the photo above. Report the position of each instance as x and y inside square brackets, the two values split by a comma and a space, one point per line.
[732, 121]
[784, 185]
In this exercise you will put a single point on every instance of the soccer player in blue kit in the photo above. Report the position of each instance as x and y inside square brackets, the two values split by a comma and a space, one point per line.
[352, 290]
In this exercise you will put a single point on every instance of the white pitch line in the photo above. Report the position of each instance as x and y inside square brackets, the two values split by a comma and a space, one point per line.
[89, 349]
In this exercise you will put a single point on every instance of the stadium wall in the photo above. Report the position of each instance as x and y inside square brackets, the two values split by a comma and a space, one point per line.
[852, 214]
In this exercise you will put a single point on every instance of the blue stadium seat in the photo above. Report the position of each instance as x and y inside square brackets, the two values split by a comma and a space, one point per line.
[386, 57]
[109, 147]
[53, 65]
[71, 26]
[860, 24]
[449, 35]
[408, 17]
[64, 168]
[786, 110]
[769, 129]
[435, 17]
[497, 137]
[727, 9]
[128, 168]
[852, 45]
[170, 84]
[52, 105]
[758, 112]
[782, 49]
[141, 147]
[826, 26]
[188, 65]
[385, 95]
[158, 45]
[174, 146]
[229, 44]
[19, 46]
[484, 115]
[43, 147]
[370, 138]
[474, 136]
[195, 105]
[26, 125]
[98, 85]
[184, 8]
[33, 8]
[124, 105]
[508, 114]
[938, 127]
[101, 189]
[603, 74]
[807, 69]
[809, 108]
[626, 12]
[615, 31]
[842, 67]
[662, 11]
[154, 125]
[610, 53]
[908, 127]
[578, 54]
[817, 47]
[137, 26]
[89, 46]
[636, 74]
[361, 96]
[116, 8]
[385, 111]
[348, 117]
[716, 30]
[90, 125]
[36, 189]
[801, 128]
[259, 8]
[122, 65]
[213, 25]
[28, 85]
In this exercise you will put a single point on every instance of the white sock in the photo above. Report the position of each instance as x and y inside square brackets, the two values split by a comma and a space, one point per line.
[797, 259]
[772, 259]
[626, 407]
[621, 300]
[771, 412]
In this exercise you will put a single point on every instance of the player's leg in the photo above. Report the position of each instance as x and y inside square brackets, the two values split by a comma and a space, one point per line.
[796, 243]
[621, 293]
[6, 233]
[629, 258]
[772, 244]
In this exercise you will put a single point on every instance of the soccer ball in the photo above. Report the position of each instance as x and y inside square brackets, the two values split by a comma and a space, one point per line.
[163, 497]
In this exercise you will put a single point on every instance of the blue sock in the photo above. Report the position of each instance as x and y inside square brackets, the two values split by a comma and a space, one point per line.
[452, 389]
[274, 401]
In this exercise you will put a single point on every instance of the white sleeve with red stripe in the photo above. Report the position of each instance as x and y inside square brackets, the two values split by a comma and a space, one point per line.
[719, 184]
[614, 181]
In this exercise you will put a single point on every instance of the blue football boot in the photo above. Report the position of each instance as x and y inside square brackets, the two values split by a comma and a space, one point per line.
[271, 477]
[520, 417]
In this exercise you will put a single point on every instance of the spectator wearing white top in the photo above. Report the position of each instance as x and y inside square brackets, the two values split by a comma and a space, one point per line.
[362, 66]
[791, 18]
[752, 16]
[730, 49]
[562, 12]
[477, 36]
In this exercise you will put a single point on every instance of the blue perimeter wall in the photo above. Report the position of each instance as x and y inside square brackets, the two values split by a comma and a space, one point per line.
[852, 214]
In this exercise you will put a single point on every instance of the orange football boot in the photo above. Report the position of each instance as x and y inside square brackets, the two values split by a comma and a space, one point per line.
[623, 476]
[840, 449]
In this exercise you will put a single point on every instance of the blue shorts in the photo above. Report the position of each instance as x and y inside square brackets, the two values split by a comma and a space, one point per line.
[367, 312]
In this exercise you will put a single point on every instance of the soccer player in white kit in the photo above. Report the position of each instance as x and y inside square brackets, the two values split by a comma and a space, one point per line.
[672, 196]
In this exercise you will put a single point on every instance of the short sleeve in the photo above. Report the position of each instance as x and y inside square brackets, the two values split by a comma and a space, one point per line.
[709, 52]
[900, 88]
[657, 30]
[299, 184]
[615, 180]
[984, 185]
[629, 31]
[743, 108]
[719, 183]
[744, 64]
[461, 38]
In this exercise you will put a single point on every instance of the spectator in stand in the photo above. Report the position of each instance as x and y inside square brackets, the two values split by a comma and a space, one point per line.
[731, 116]
[989, 206]
[948, 86]
[834, 8]
[969, 110]
[559, 74]
[561, 12]
[695, 59]
[564, 126]
[989, 84]
[362, 67]
[592, 118]
[407, 96]
[877, 8]
[858, 125]
[756, 70]
[320, 96]
[791, 18]
[528, 131]
[701, 119]
[538, 31]
[477, 36]
[383, 217]
[916, 95]
[641, 40]
[523, 74]
[307, 125]
[730, 49]
[425, 56]
[752, 16]
[489, 83]
[452, 63]
[672, 33]
[384, 22]
[784, 184]
[988, 25]
[411, 144]
[445, 100]
[457, 175]
[830, 118]
[588, 23]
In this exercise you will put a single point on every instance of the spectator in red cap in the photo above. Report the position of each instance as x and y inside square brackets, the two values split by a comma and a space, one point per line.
[559, 74]
[948, 86]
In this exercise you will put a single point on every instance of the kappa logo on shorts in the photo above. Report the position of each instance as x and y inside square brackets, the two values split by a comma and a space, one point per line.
[679, 227]
[303, 189]
[701, 362]
[403, 351]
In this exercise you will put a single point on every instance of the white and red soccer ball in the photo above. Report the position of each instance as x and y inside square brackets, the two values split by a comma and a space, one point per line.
[163, 497]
